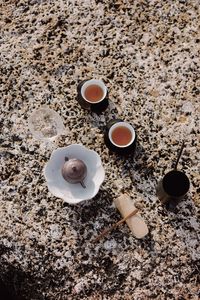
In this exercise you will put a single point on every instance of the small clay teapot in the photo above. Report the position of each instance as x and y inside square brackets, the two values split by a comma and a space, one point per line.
[74, 171]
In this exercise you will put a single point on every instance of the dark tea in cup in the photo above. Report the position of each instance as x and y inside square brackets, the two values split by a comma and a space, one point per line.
[121, 134]
[173, 187]
[93, 91]
[92, 94]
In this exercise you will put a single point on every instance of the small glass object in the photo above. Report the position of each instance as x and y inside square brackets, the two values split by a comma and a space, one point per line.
[45, 124]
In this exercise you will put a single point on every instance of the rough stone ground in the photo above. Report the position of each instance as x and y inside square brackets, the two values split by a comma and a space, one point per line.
[147, 52]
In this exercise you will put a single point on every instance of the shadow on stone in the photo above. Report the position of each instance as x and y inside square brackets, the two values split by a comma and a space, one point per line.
[17, 285]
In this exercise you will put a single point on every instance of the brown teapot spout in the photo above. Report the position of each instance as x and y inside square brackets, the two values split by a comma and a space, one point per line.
[83, 184]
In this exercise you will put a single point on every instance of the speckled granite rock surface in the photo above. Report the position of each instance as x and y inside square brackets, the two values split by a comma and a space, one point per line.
[147, 52]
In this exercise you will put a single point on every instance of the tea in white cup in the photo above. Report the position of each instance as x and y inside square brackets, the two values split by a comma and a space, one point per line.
[121, 134]
[93, 91]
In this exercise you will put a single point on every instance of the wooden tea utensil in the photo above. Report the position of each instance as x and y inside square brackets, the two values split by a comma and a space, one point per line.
[107, 230]
[179, 155]
[130, 215]
[137, 225]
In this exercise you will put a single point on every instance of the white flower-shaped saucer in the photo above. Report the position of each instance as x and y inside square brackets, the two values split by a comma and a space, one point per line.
[74, 192]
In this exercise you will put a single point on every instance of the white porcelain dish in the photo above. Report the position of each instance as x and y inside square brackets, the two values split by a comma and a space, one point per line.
[70, 192]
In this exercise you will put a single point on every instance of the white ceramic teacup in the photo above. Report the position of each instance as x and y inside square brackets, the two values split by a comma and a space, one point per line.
[88, 83]
[122, 124]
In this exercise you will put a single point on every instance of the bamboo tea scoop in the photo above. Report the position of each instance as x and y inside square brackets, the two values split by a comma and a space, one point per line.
[130, 215]
[179, 155]
[107, 230]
